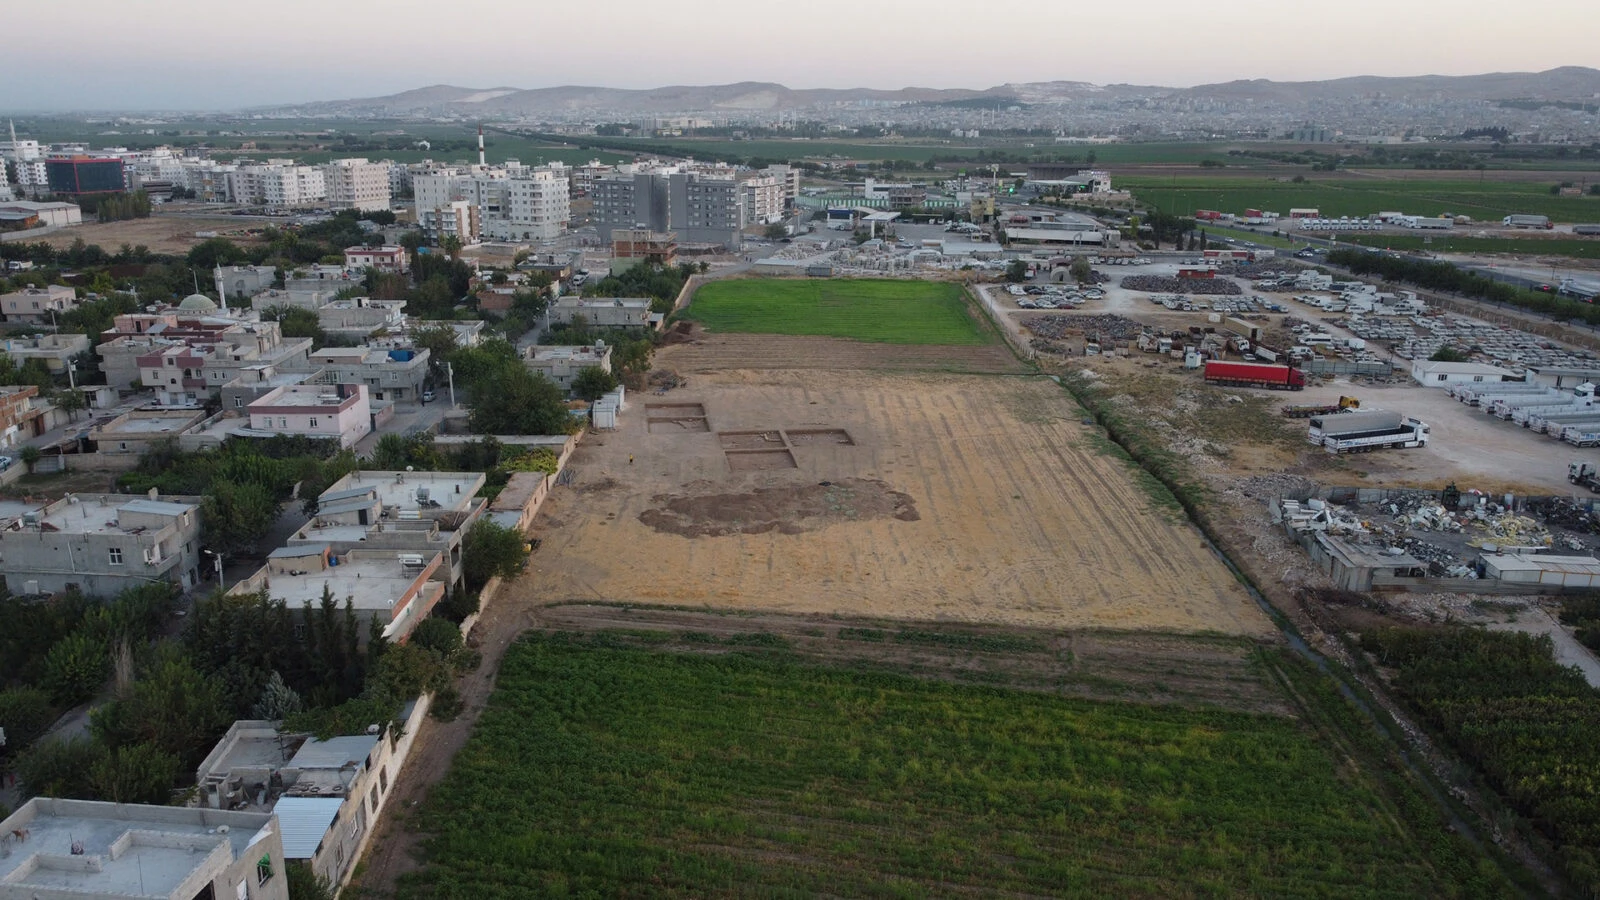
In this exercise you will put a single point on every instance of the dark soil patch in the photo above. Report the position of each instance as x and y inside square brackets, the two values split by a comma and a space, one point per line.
[791, 509]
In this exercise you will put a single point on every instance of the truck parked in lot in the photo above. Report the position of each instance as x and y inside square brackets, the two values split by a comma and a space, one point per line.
[1582, 435]
[1553, 425]
[1306, 411]
[1360, 432]
[1242, 374]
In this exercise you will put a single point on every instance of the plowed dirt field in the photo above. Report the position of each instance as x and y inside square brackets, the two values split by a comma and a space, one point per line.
[954, 498]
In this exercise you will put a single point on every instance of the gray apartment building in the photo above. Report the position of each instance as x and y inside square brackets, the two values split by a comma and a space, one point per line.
[102, 544]
[701, 208]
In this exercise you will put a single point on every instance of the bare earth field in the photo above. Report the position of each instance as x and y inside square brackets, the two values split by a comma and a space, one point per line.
[933, 497]
[162, 234]
[702, 351]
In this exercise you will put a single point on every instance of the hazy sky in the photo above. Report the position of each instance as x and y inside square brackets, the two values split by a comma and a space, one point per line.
[188, 54]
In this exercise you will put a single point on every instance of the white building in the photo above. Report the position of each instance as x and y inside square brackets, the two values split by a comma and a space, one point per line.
[788, 178]
[90, 849]
[562, 364]
[504, 203]
[1444, 374]
[280, 184]
[397, 590]
[763, 199]
[38, 305]
[356, 184]
[341, 412]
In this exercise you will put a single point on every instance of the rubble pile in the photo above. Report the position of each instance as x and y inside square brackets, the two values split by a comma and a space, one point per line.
[1107, 326]
[1441, 561]
[1213, 287]
[1564, 513]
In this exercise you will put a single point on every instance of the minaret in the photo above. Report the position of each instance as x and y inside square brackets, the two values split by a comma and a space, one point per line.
[480, 146]
[222, 295]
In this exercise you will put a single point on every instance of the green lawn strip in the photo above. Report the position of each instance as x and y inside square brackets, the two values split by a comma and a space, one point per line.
[606, 771]
[880, 311]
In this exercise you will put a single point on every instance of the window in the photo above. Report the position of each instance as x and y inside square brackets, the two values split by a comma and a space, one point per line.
[116, 556]
[263, 870]
[383, 778]
[313, 422]
[283, 421]
[238, 402]
[372, 799]
[243, 891]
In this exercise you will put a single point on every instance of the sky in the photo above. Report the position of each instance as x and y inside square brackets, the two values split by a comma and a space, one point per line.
[198, 54]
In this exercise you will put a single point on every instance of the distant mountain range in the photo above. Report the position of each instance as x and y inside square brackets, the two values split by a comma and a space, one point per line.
[1569, 83]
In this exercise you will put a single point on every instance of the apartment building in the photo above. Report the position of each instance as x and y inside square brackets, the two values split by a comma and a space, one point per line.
[511, 203]
[763, 199]
[702, 205]
[27, 161]
[643, 244]
[788, 178]
[332, 411]
[38, 305]
[280, 184]
[562, 364]
[607, 312]
[415, 513]
[396, 590]
[102, 544]
[188, 364]
[91, 849]
[388, 258]
[54, 350]
[134, 433]
[20, 419]
[389, 373]
[356, 184]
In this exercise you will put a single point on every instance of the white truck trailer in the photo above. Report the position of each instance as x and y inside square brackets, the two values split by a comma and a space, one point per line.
[1410, 433]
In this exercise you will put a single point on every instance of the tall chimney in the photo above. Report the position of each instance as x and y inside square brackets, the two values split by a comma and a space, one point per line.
[480, 146]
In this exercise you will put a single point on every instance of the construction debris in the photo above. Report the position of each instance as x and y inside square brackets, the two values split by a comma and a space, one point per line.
[1109, 327]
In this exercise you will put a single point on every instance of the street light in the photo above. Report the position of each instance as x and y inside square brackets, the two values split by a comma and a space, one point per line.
[216, 559]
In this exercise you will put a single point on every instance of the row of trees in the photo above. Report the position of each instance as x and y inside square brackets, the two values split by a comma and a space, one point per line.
[1447, 277]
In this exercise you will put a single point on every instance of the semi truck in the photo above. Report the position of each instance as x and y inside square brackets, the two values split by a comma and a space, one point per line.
[1477, 394]
[1242, 374]
[1306, 411]
[1367, 431]
[1517, 221]
[1524, 415]
[1584, 474]
[1501, 405]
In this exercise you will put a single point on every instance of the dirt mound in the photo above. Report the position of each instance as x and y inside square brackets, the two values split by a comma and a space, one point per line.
[680, 333]
[793, 509]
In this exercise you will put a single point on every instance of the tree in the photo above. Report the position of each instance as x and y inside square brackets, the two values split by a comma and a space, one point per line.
[27, 713]
[296, 322]
[237, 515]
[592, 383]
[1017, 270]
[58, 768]
[304, 883]
[75, 668]
[72, 402]
[278, 701]
[775, 232]
[171, 706]
[1448, 354]
[440, 341]
[30, 456]
[490, 550]
[451, 245]
[1080, 271]
[135, 773]
[517, 401]
[439, 635]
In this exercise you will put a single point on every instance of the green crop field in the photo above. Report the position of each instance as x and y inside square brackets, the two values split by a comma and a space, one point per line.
[1485, 200]
[882, 311]
[1583, 248]
[606, 768]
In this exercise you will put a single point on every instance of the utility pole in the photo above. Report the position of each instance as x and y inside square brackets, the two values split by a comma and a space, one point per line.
[450, 372]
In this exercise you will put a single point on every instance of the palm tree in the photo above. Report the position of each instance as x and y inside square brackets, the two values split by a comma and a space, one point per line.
[451, 245]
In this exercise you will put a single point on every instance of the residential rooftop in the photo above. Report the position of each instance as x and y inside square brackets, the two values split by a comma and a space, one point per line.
[99, 514]
[86, 848]
[450, 491]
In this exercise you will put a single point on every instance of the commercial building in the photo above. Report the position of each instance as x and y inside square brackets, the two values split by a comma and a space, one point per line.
[38, 305]
[102, 544]
[395, 374]
[420, 514]
[87, 849]
[356, 184]
[340, 412]
[41, 215]
[72, 176]
[387, 259]
[701, 206]
[396, 590]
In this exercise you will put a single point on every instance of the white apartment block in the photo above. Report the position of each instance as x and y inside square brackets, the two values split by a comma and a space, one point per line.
[789, 177]
[279, 184]
[356, 184]
[510, 203]
[763, 199]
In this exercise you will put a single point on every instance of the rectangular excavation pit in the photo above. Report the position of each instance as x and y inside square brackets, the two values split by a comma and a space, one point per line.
[771, 439]
[802, 436]
[759, 460]
[682, 425]
[675, 418]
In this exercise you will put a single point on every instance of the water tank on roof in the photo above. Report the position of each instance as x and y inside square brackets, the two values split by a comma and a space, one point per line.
[402, 355]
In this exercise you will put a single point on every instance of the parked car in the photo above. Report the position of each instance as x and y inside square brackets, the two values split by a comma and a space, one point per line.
[427, 396]
[5, 463]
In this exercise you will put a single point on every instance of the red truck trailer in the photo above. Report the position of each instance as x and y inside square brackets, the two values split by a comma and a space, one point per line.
[1283, 378]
